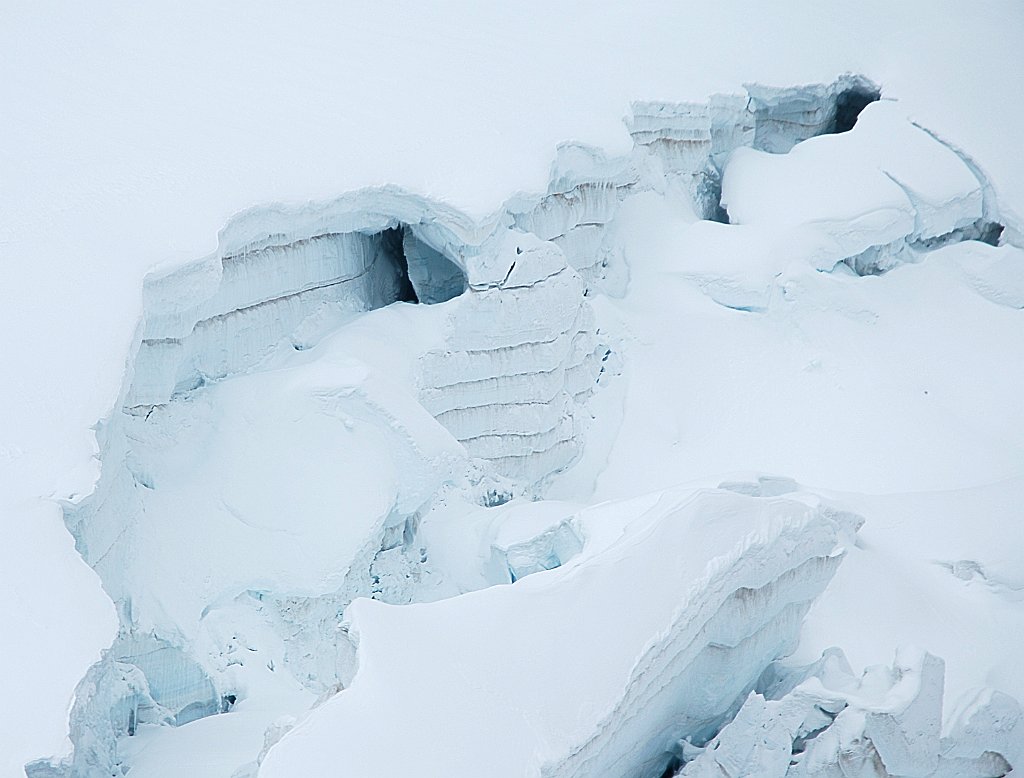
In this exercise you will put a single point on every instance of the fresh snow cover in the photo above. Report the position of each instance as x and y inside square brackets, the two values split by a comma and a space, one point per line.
[465, 427]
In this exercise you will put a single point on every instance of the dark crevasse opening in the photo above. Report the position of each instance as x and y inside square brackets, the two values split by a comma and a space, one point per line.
[849, 104]
[425, 274]
[707, 196]
[392, 248]
[990, 233]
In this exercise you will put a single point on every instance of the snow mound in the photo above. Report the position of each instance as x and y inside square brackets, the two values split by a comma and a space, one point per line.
[880, 194]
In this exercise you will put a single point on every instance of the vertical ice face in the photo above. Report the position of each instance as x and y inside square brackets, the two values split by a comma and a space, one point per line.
[221, 316]
[519, 361]
[583, 196]
[285, 427]
[434, 277]
[784, 116]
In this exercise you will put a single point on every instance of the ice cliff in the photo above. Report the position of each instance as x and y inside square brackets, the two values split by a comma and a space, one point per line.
[308, 411]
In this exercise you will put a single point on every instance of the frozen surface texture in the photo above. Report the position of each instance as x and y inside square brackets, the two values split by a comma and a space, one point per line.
[823, 721]
[394, 485]
[693, 140]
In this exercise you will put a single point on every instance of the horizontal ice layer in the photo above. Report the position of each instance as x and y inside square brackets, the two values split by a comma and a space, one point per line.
[519, 361]
[867, 197]
[785, 116]
[693, 140]
[276, 267]
[535, 679]
[997, 274]
[686, 136]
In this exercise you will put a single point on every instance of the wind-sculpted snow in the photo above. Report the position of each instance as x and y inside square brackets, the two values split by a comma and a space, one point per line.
[582, 670]
[881, 194]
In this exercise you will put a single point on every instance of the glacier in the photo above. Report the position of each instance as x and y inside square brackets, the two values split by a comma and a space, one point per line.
[736, 575]
[313, 510]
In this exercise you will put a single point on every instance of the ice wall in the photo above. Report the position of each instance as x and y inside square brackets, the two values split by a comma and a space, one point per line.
[583, 196]
[694, 140]
[222, 315]
[520, 360]
[254, 471]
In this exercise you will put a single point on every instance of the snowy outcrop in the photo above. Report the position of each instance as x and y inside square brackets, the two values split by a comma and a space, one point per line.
[823, 721]
[522, 547]
[625, 667]
[276, 497]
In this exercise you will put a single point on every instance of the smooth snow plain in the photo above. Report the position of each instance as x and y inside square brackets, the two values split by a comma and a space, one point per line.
[737, 350]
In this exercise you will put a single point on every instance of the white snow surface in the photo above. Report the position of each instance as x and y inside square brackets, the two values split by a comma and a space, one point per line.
[273, 448]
